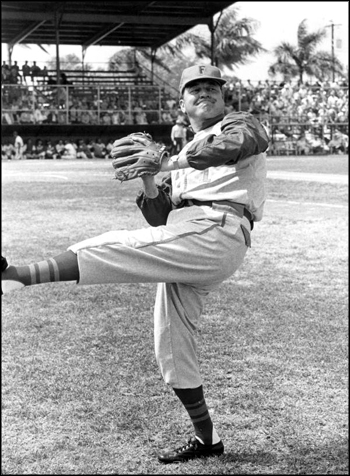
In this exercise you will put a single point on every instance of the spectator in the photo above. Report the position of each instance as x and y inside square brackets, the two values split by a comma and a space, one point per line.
[70, 151]
[51, 80]
[85, 117]
[62, 116]
[14, 74]
[19, 146]
[26, 71]
[52, 117]
[26, 116]
[50, 152]
[30, 150]
[64, 80]
[83, 151]
[166, 117]
[8, 151]
[98, 149]
[45, 74]
[59, 147]
[106, 118]
[35, 71]
[140, 117]
[5, 73]
[74, 113]
[118, 117]
[109, 148]
[39, 117]
[178, 136]
[40, 150]
[339, 143]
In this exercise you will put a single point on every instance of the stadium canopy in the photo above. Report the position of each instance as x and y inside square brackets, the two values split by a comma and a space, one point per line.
[139, 24]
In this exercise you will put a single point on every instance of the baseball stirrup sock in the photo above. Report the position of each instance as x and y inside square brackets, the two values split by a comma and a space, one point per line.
[194, 402]
[63, 267]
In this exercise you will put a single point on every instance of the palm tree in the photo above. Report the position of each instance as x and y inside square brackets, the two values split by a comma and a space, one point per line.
[304, 58]
[233, 46]
[231, 43]
[128, 58]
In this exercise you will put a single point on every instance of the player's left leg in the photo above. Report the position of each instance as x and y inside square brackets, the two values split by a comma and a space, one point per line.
[63, 267]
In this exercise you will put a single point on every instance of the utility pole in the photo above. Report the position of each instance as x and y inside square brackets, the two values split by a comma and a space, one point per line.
[331, 26]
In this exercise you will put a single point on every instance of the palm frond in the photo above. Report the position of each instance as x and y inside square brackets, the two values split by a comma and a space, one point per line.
[43, 48]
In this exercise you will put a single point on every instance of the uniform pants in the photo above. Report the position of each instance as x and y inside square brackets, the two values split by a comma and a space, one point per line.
[188, 257]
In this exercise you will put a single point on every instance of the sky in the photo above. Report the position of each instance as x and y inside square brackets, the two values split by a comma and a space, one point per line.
[278, 22]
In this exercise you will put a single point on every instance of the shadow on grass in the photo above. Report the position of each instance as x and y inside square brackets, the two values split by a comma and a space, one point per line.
[326, 459]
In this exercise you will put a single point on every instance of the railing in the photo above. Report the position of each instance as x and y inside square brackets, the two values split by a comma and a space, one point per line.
[77, 104]
[122, 104]
[300, 138]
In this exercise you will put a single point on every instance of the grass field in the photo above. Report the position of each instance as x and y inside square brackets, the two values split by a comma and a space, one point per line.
[81, 392]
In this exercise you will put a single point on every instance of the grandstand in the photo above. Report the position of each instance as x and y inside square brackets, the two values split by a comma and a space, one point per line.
[139, 24]
[79, 104]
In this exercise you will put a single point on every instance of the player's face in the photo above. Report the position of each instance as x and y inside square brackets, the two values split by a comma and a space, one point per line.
[202, 100]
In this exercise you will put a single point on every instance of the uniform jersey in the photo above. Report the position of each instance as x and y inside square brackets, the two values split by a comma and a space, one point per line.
[227, 163]
[238, 179]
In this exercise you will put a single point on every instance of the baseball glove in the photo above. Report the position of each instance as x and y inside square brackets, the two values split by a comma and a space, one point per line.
[136, 155]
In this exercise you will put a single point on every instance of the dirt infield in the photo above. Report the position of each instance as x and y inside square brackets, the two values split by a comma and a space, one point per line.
[308, 177]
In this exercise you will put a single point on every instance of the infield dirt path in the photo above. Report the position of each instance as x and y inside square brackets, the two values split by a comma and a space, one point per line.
[308, 177]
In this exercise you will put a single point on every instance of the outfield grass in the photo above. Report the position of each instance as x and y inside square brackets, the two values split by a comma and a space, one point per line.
[81, 392]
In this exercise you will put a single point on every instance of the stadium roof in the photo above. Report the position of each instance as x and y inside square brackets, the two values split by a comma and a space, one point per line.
[138, 24]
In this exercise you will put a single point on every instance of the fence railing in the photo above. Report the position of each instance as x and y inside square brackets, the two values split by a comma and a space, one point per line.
[108, 104]
[74, 104]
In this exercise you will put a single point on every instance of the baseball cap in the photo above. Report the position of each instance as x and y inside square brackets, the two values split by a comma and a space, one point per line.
[200, 72]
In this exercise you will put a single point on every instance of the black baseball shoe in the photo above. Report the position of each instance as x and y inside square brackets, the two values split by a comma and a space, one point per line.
[192, 450]
[8, 285]
[4, 265]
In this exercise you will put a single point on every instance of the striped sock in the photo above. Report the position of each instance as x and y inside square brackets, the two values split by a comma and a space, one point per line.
[63, 267]
[194, 402]
[42, 272]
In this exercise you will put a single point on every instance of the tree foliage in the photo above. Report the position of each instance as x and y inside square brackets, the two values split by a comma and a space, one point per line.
[304, 58]
[233, 42]
[69, 62]
[233, 45]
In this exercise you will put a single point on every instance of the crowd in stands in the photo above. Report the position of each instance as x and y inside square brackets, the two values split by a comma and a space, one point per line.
[285, 102]
[302, 118]
[27, 74]
[53, 150]
[97, 149]
[308, 113]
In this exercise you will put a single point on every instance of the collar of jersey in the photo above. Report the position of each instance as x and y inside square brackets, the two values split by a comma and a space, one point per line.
[209, 122]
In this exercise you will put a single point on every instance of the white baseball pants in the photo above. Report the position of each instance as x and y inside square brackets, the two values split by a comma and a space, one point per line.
[188, 257]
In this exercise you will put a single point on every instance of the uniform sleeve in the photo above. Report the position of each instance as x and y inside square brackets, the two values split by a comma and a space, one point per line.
[156, 210]
[241, 136]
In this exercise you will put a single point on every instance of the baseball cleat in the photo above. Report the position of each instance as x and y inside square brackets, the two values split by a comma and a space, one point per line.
[192, 450]
[4, 263]
[8, 285]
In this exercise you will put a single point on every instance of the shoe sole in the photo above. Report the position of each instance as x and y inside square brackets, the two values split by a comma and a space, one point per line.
[185, 460]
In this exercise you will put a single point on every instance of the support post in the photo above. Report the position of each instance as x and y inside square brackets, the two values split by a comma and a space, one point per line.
[212, 41]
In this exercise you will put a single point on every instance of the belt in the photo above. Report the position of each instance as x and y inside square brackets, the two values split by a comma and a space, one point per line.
[238, 207]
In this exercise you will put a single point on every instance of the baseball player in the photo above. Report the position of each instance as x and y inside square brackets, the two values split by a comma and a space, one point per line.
[178, 135]
[201, 216]
[19, 146]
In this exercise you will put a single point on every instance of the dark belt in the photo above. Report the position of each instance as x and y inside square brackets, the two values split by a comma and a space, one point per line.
[238, 207]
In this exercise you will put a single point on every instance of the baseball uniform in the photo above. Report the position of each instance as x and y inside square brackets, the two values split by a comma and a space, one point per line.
[201, 223]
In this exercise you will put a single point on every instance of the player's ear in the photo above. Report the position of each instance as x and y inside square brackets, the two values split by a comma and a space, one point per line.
[182, 105]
